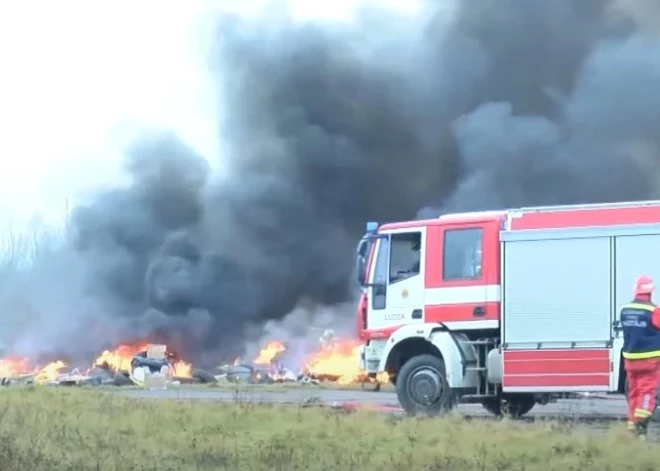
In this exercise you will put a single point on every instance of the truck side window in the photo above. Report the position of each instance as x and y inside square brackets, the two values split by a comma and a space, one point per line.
[380, 270]
[462, 254]
[379, 293]
[405, 255]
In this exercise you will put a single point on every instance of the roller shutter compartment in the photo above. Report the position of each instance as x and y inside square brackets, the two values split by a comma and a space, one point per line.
[557, 292]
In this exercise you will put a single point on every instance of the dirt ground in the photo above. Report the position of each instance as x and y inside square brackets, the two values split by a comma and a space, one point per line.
[611, 408]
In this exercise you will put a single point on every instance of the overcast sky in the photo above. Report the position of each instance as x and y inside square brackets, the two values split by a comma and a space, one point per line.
[76, 73]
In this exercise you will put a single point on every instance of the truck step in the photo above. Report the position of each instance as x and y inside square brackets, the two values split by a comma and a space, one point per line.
[492, 342]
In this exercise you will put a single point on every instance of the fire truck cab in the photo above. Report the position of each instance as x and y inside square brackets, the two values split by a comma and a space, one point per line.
[503, 308]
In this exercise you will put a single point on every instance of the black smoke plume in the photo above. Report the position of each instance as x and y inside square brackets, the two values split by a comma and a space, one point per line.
[325, 125]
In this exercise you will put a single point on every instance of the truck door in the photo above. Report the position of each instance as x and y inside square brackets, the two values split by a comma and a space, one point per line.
[463, 285]
[397, 288]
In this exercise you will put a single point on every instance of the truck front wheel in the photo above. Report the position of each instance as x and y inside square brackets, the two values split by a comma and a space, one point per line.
[422, 387]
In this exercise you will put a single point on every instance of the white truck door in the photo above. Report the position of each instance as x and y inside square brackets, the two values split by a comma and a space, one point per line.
[396, 294]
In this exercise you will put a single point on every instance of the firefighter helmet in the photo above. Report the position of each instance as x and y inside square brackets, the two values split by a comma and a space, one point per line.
[644, 285]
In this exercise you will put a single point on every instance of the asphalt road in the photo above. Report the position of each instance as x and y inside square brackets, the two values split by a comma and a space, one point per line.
[610, 408]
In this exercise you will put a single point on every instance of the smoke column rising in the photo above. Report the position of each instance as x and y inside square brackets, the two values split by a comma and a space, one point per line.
[469, 106]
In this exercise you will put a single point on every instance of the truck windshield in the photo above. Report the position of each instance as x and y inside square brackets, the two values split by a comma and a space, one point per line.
[404, 255]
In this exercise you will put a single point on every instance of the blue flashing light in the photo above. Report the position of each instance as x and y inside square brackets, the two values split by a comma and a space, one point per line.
[372, 227]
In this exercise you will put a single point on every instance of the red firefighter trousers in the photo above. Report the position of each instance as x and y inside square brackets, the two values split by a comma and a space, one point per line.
[643, 377]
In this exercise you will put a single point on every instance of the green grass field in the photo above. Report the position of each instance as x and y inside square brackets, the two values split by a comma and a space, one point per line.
[76, 429]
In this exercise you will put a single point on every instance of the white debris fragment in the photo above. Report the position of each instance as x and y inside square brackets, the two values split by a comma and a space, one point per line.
[327, 338]
[289, 376]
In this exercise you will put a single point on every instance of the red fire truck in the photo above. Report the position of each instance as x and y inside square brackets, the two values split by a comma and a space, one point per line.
[504, 308]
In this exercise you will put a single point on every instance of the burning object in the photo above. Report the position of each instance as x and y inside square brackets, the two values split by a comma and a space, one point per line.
[18, 371]
[152, 366]
[335, 361]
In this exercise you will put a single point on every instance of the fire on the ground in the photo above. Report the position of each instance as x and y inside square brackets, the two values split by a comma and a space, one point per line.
[336, 360]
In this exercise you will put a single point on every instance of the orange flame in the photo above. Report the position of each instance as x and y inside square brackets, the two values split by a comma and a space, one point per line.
[269, 352]
[49, 372]
[120, 358]
[11, 367]
[181, 369]
[339, 359]
[336, 361]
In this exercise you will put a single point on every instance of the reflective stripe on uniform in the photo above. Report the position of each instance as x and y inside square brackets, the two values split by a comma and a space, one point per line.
[646, 402]
[641, 356]
[641, 340]
[644, 307]
[643, 414]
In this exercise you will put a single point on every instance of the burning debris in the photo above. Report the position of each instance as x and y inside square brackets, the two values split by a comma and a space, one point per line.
[336, 361]
[118, 367]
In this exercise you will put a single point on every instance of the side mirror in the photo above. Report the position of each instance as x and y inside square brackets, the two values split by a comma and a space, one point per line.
[361, 270]
[362, 250]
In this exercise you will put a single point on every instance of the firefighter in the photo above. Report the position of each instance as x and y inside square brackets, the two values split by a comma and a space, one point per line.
[640, 321]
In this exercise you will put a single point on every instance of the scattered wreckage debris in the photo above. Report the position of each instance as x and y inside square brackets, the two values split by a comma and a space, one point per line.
[153, 366]
[129, 365]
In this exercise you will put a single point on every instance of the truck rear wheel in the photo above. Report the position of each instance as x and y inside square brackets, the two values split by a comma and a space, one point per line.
[512, 406]
[422, 387]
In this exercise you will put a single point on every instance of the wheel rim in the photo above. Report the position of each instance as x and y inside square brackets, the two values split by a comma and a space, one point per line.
[425, 386]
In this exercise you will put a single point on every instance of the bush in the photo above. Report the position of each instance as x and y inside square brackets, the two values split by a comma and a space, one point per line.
[73, 429]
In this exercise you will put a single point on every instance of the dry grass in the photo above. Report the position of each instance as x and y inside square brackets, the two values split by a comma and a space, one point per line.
[72, 429]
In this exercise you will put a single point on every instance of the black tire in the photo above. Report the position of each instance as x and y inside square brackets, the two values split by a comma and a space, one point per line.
[512, 406]
[422, 386]
[492, 405]
[240, 374]
[120, 379]
[204, 377]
